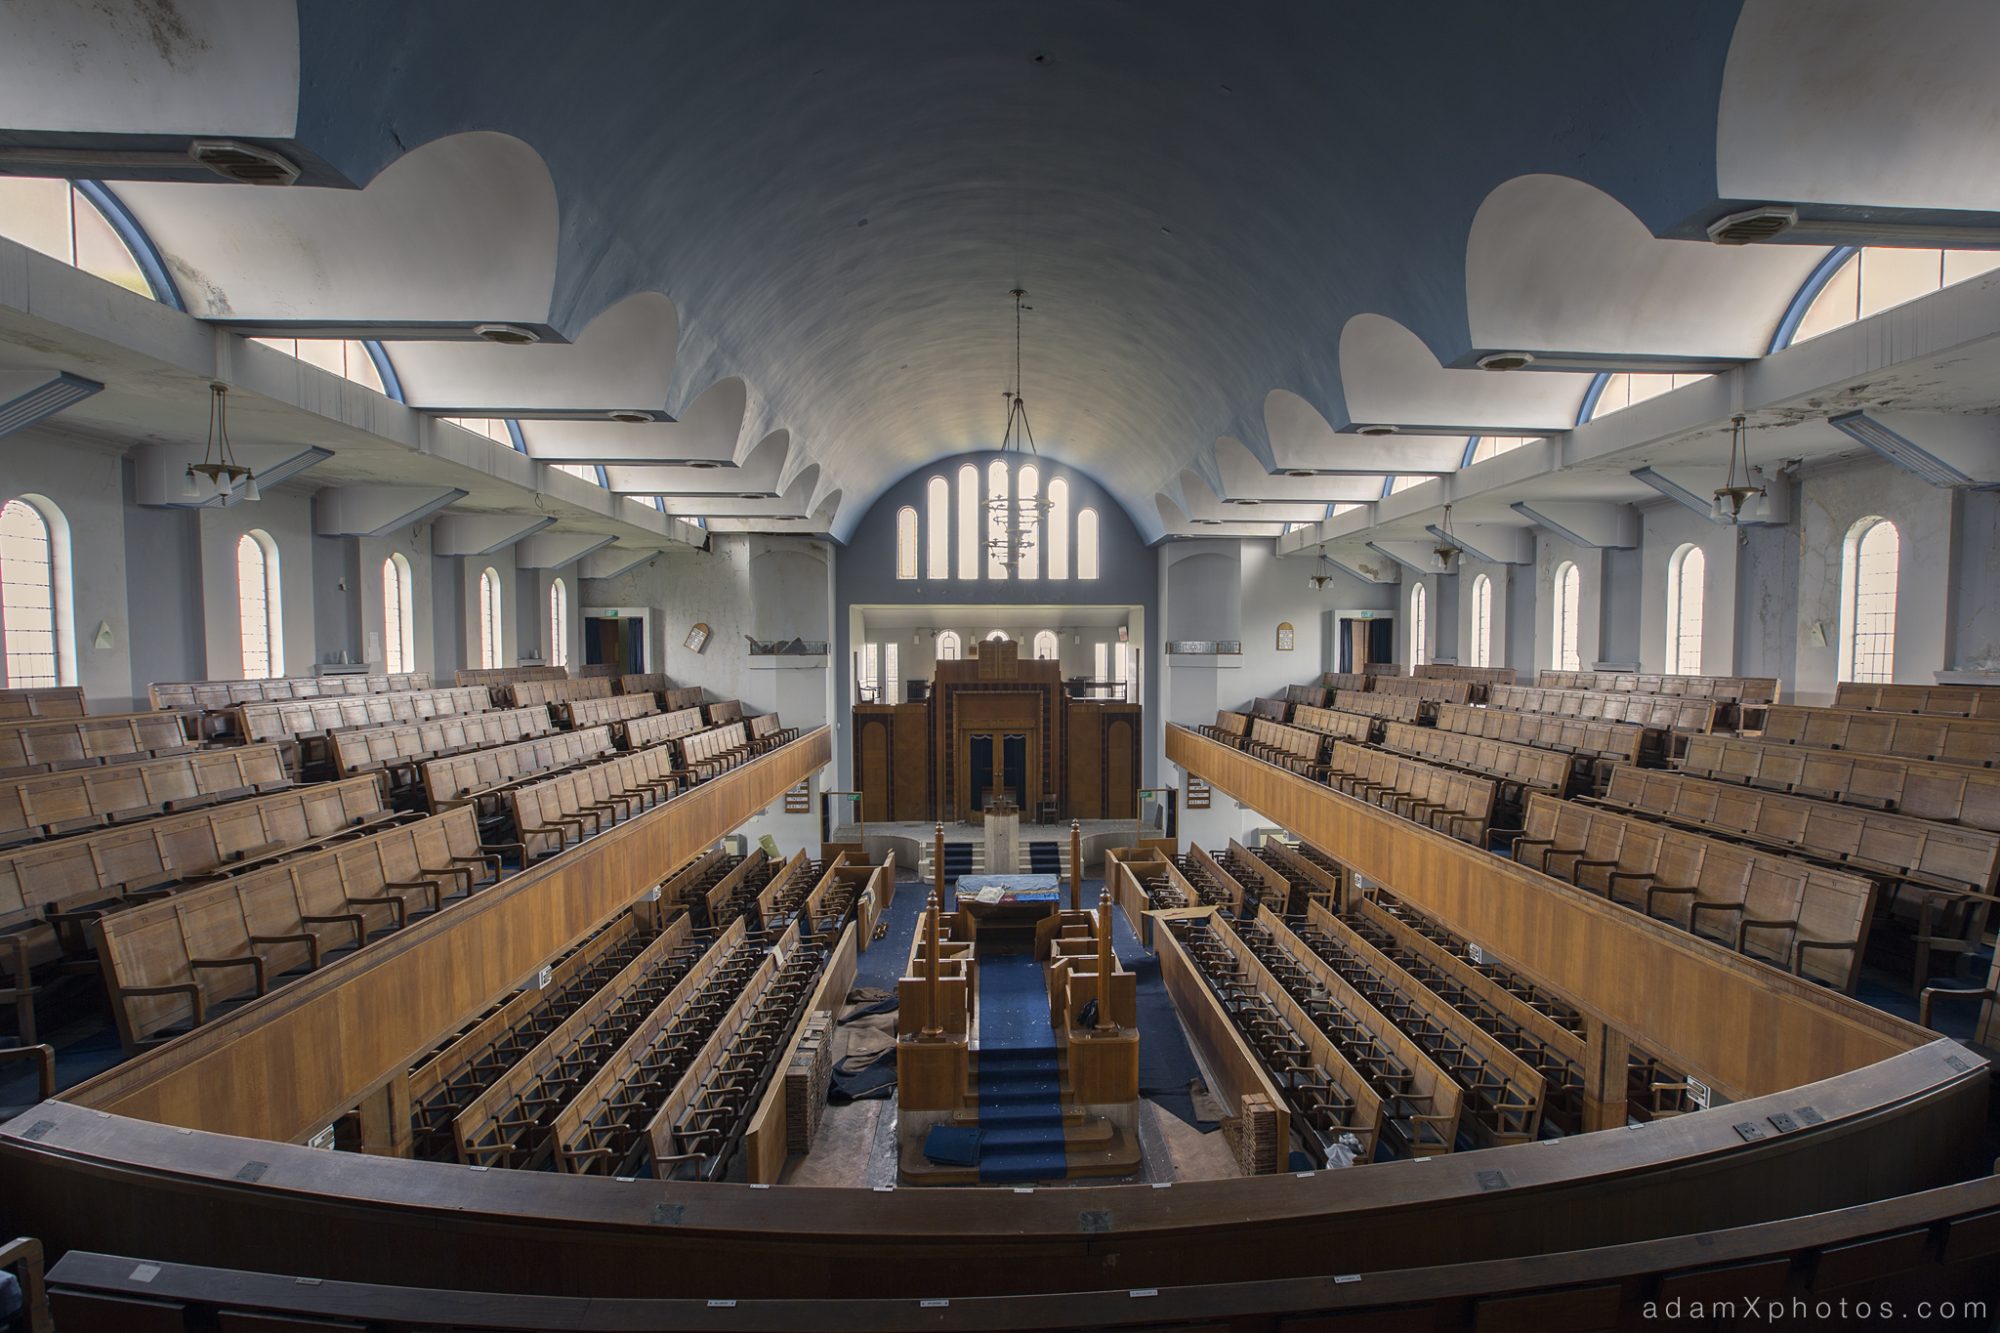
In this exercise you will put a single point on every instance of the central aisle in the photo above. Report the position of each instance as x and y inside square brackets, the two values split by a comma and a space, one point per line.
[1020, 1090]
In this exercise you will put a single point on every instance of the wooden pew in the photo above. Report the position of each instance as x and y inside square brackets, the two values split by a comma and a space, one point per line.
[707, 754]
[1359, 727]
[300, 719]
[614, 711]
[1271, 710]
[45, 745]
[514, 1123]
[498, 678]
[1290, 747]
[1922, 789]
[176, 961]
[683, 696]
[1503, 1093]
[56, 884]
[659, 728]
[1451, 802]
[1323, 880]
[767, 732]
[723, 711]
[1517, 769]
[51, 804]
[1591, 742]
[553, 692]
[214, 696]
[1811, 920]
[1974, 701]
[601, 792]
[1659, 712]
[1314, 695]
[481, 777]
[1947, 740]
[446, 1080]
[1271, 887]
[53, 701]
[1345, 680]
[1390, 707]
[644, 682]
[1481, 678]
[400, 747]
[1230, 728]
[1437, 690]
[1752, 690]
[1327, 1097]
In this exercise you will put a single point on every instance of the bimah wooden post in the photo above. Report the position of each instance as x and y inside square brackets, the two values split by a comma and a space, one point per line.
[937, 860]
[1105, 962]
[1075, 865]
[933, 1029]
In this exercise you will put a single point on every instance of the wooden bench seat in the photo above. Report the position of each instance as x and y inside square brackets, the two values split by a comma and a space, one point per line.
[50, 804]
[1315, 695]
[1230, 728]
[1270, 710]
[1948, 740]
[1437, 690]
[1921, 788]
[1451, 802]
[644, 682]
[1591, 742]
[213, 696]
[1660, 712]
[1517, 769]
[768, 732]
[1290, 747]
[1805, 917]
[602, 792]
[1973, 701]
[1344, 680]
[400, 747]
[1389, 707]
[50, 701]
[53, 884]
[482, 777]
[44, 745]
[497, 678]
[1358, 727]
[298, 719]
[173, 962]
[1725, 689]
[614, 710]
[659, 728]
[723, 711]
[707, 754]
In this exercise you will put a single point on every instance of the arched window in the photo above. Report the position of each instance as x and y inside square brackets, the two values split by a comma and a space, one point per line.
[399, 647]
[28, 602]
[997, 636]
[1058, 561]
[56, 218]
[1028, 488]
[1046, 648]
[998, 498]
[906, 542]
[892, 674]
[489, 617]
[1877, 278]
[937, 541]
[1086, 544]
[558, 624]
[343, 357]
[1492, 446]
[258, 613]
[969, 526]
[948, 646]
[1870, 563]
[1569, 604]
[582, 472]
[1420, 626]
[1482, 621]
[1687, 573]
[1396, 485]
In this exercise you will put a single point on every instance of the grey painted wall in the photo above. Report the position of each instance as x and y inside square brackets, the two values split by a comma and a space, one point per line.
[1618, 627]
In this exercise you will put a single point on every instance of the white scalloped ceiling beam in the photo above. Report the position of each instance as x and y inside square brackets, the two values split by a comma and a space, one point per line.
[1389, 377]
[623, 359]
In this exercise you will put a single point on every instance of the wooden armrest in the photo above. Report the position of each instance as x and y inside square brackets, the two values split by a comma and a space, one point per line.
[45, 1065]
[398, 907]
[25, 1255]
[187, 988]
[1514, 849]
[253, 962]
[310, 940]
[1799, 948]
[1929, 993]
[352, 918]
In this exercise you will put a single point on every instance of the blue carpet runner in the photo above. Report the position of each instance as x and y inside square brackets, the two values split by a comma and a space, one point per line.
[1020, 1097]
[957, 859]
[1045, 858]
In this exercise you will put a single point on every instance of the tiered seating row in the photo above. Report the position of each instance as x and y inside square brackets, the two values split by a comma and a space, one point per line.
[1358, 727]
[1517, 768]
[1230, 728]
[1440, 798]
[1979, 701]
[1723, 689]
[603, 793]
[711, 753]
[401, 746]
[1804, 917]
[1663, 712]
[1946, 740]
[1614, 741]
[523, 693]
[657, 728]
[1428, 689]
[1478, 676]
[55, 701]
[477, 776]
[768, 733]
[45, 745]
[1393, 707]
[644, 682]
[210, 696]
[45, 805]
[616, 710]
[47, 883]
[301, 718]
[1949, 793]
[498, 678]
[1288, 747]
[174, 962]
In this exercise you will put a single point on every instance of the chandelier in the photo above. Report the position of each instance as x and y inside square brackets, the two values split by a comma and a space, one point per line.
[218, 462]
[1447, 549]
[1729, 500]
[1015, 522]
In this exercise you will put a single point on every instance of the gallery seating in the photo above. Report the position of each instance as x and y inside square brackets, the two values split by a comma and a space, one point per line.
[1921, 788]
[51, 804]
[1975, 701]
[21, 705]
[43, 745]
[214, 696]
[1949, 740]
[1440, 798]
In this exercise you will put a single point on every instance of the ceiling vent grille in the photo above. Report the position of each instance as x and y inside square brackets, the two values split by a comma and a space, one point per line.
[507, 335]
[246, 164]
[1753, 225]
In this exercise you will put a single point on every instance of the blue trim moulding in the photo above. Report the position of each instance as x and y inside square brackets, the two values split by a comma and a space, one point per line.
[514, 434]
[1808, 292]
[1587, 409]
[144, 252]
[379, 354]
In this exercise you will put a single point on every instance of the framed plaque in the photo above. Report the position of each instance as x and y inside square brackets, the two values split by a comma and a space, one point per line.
[1287, 638]
[697, 638]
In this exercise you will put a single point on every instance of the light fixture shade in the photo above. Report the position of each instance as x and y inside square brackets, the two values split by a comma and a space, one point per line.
[189, 490]
[251, 491]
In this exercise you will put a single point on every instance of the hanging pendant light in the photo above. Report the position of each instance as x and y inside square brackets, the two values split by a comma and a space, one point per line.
[1729, 500]
[1447, 549]
[218, 462]
[1019, 520]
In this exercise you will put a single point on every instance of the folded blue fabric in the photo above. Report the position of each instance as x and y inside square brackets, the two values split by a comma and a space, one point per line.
[952, 1145]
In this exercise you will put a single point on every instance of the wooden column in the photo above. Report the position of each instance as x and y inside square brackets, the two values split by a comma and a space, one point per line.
[1075, 865]
[937, 861]
[933, 1029]
[1106, 961]
[385, 1119]
[1605, 1057]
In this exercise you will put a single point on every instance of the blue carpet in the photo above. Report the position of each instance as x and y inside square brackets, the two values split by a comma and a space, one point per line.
[1020, 1101]
[1045, 858]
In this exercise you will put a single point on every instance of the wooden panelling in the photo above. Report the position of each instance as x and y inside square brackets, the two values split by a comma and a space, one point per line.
[1748, 1027]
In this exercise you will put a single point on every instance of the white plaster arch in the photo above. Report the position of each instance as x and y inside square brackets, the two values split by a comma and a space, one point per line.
[710, 430]
[1859, 102]
[207, 67]
[1200, 501]
[1555, 264]
[459, 230]
[1390, 376]
[1243, 477]
[1301, 438]
[623, 358]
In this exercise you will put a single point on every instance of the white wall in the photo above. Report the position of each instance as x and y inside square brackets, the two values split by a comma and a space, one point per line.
[84, 483]
[1502, 577]
[1665, 528]
[286, 517]
[1550, 552]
